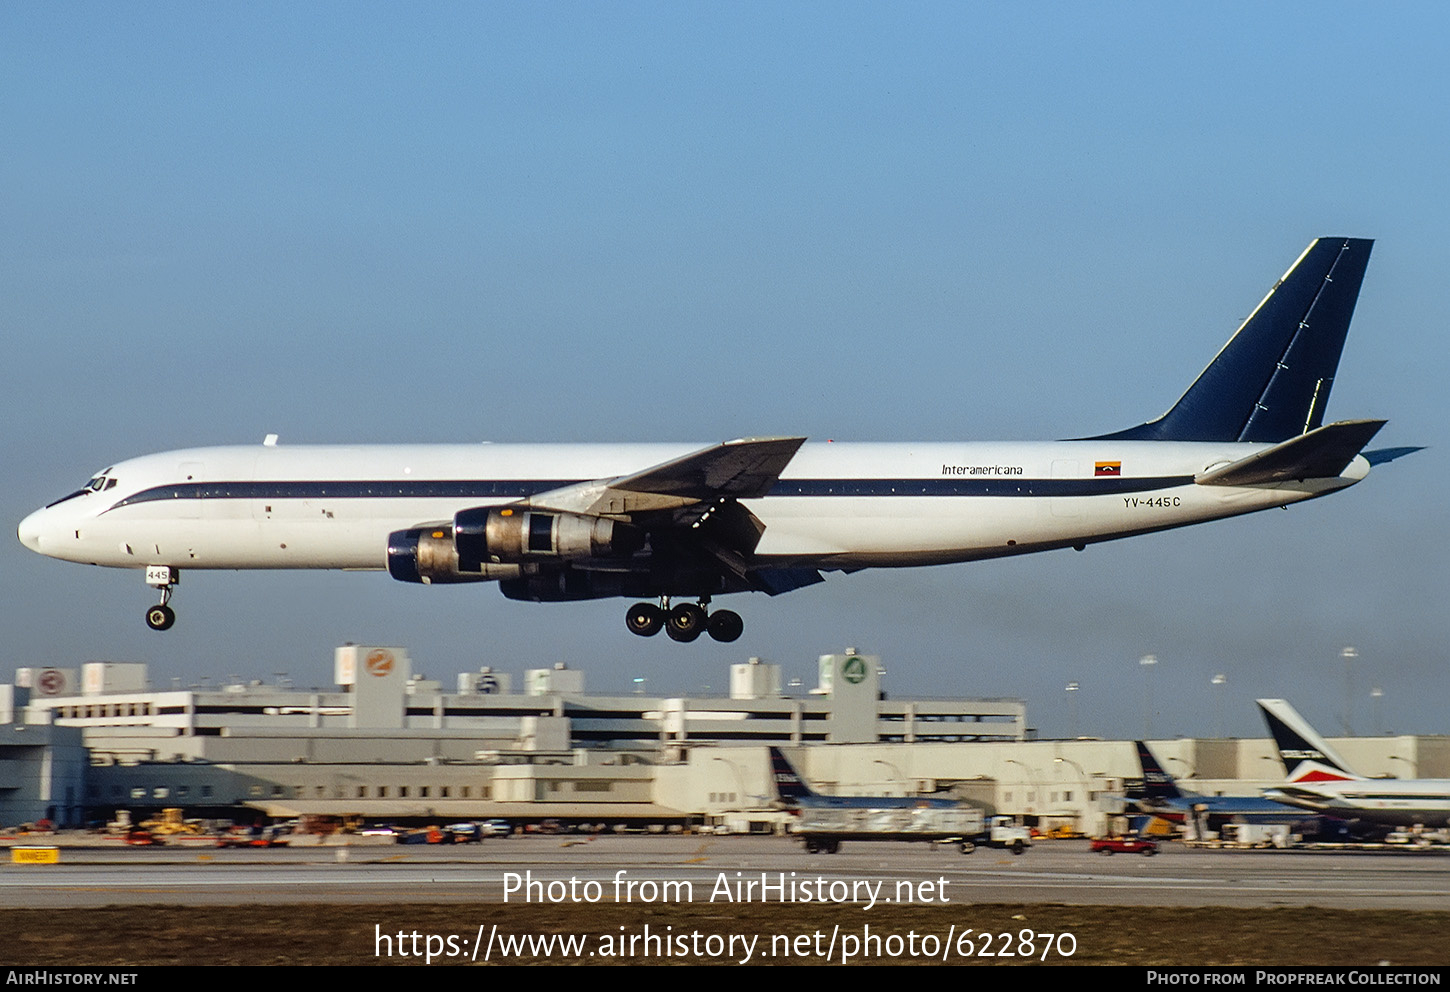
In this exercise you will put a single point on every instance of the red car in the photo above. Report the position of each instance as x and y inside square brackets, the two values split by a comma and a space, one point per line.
[1125, 845]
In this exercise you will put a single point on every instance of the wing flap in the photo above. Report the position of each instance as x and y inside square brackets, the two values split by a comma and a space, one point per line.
[745, 468]
[774, 581]
[1323, 453]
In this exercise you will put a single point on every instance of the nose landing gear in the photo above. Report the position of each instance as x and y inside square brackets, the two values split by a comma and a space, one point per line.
[164, 577]
[685, 622]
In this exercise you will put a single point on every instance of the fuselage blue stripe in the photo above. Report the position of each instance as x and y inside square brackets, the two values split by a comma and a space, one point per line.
[1107, 486]
[519, 488]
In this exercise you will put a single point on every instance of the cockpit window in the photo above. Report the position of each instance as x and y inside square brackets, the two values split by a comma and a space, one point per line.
[78, 492]
[101, 481]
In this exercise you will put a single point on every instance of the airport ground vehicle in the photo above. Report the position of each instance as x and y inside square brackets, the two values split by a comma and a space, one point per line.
[825, 821]
[824, 829]
[474, 831]
[1124, 845]
[1003, 832]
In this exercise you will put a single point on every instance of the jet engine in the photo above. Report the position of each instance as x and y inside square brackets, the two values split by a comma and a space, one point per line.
[428, 555]
[486, 543]
[496, 535]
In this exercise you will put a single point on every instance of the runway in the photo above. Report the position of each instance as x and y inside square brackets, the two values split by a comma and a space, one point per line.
[643, 869]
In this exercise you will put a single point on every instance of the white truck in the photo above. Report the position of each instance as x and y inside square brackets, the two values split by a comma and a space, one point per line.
[1004, 832]
[823, 829]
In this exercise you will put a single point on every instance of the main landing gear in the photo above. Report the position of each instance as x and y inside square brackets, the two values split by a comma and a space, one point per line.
[685, 622]
[165, 578]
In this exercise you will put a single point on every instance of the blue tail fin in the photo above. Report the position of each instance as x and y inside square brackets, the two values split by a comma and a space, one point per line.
[1157, 783]
[1271, 381]
[789, 785]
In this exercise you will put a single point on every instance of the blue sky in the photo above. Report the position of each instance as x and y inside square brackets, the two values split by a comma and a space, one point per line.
[440, 222]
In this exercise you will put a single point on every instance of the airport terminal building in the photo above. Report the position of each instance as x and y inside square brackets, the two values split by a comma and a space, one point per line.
[383, 744]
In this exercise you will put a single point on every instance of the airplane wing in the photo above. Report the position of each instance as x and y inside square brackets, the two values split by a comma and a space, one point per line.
[745, 468]
[691, 505]
[1320, 454]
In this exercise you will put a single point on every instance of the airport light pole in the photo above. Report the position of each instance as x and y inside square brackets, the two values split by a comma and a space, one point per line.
[1410, 764]
[1071, 690]
[1030, 780]
[1082, 777]
[1349, 653]
[1220, 680]
[1146, 663]
[739, 778]
[1190, 773]
[1376, 693]
[895, 772]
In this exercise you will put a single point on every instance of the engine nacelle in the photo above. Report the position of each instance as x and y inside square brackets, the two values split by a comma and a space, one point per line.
[428, 555]
[494, 535]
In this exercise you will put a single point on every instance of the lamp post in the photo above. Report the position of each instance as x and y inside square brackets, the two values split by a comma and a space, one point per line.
[895, 772]
[1032, 783]
[739, 778]
[1077, 810]
[1220, 680]
[1349, 653]
[1146, 663]
[1190, 773]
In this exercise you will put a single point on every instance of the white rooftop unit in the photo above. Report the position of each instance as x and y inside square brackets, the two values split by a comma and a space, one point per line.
[560, 678]
[100, 677]
[755, 680]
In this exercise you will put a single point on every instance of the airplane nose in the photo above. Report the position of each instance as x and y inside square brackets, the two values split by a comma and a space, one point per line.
[29, 531]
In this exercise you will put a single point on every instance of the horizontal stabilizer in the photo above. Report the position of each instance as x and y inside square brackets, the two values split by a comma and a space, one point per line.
[1323, 453]
[1381, 455]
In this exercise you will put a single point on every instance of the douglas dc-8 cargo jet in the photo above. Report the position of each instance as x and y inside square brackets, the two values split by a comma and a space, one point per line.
[656, 522]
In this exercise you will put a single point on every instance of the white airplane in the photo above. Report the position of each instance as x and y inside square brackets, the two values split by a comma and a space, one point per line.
[655, 522]
[1320, 780]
